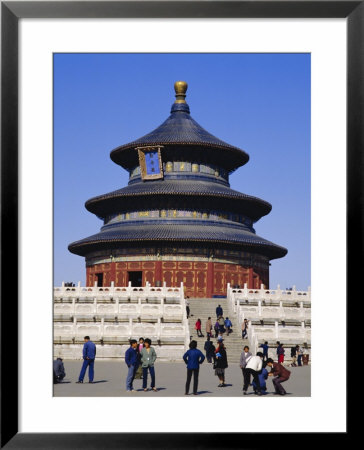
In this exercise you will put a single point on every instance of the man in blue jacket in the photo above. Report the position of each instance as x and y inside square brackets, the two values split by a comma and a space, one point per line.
[89, 354]
[193, 358]
[132, 361]
[265, 348]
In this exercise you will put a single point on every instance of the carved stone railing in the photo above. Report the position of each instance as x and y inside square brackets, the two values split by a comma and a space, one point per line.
[112, 313]
[286, 311]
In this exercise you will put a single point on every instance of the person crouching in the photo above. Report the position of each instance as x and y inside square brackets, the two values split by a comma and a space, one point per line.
[281, 374]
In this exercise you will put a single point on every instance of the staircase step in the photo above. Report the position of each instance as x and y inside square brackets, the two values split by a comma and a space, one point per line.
[202, 308]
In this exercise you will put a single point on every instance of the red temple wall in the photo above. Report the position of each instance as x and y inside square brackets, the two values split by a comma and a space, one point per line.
[200, 279]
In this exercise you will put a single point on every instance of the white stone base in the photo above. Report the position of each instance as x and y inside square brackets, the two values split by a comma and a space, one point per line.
[74, 351]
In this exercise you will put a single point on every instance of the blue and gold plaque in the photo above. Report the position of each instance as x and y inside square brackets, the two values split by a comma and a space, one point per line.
[150, 161]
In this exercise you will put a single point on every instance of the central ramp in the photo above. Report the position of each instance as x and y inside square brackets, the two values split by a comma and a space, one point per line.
[203, 308]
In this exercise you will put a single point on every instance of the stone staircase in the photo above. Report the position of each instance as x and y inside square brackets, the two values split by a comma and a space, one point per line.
[203, 308]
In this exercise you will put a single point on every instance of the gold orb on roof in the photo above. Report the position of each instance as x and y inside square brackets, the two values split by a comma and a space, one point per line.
[180, 88]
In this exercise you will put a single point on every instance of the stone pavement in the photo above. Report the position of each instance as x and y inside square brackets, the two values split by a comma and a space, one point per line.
[110, 377]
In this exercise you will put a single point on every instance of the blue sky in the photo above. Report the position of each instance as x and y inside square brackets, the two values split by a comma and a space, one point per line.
[258, 102]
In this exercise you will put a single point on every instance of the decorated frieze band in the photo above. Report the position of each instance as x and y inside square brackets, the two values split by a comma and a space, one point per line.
[186, 167]
[150, 161]
[176, 213]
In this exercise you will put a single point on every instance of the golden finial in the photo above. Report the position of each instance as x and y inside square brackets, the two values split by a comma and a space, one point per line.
[180, 88]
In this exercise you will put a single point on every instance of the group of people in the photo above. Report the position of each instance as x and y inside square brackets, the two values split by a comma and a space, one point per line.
[194, 358]
[297, 353]
[255, 366]
[141, 356]
[221, 326]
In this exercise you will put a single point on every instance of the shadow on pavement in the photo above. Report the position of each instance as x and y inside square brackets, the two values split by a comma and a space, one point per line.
[151, 390]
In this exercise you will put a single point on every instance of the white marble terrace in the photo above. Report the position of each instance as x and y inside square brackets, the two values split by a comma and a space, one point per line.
[273, 315]
[113, 315]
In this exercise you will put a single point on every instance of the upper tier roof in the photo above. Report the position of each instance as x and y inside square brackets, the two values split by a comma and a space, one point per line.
[181, 129]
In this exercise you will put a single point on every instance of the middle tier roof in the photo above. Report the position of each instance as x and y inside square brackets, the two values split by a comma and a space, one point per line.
[198, 194]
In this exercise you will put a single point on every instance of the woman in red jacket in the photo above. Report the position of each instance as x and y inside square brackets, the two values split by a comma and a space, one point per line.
[198, 328]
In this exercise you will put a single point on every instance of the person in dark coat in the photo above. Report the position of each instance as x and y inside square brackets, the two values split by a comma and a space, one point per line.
[193, 359]
[265, 348]
[89, 355]
[210, 350]
[221, 363]
[281, 374]
[216, 328]
[131, 360]
[58, 370]
[219, 311]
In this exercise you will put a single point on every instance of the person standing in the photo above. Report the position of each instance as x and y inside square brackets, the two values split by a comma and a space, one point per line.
[244, 357]
[253, 368]
[219, 341]
[219, 311]
[139, 348]
[187, 307]
[265, 348]
[58, 371]
[221, 325]
[148, 357]
[244, 328]
[209, 327]
[281, 374]
[300, 354]
[221, 363]
[280, 353]
[131, 360]
[216, 328]
[210, 350]
[193, 358]
[89, 355]
[198, 328]
[294, 355]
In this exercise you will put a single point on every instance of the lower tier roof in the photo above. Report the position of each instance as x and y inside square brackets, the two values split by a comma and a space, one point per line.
[172, 232]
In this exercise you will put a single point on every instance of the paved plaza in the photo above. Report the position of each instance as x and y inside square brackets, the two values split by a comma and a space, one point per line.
[110, 379]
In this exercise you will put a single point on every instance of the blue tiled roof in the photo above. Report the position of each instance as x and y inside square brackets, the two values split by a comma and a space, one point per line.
[180, 187]
[217, 233]
[180, 128]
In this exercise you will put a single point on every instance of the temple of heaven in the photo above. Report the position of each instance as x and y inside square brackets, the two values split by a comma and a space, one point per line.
[178, 219]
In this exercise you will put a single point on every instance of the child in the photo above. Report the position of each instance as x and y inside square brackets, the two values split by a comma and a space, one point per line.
[263, 386]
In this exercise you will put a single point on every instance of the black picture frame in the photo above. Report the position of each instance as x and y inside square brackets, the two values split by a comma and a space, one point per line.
[11, 12]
